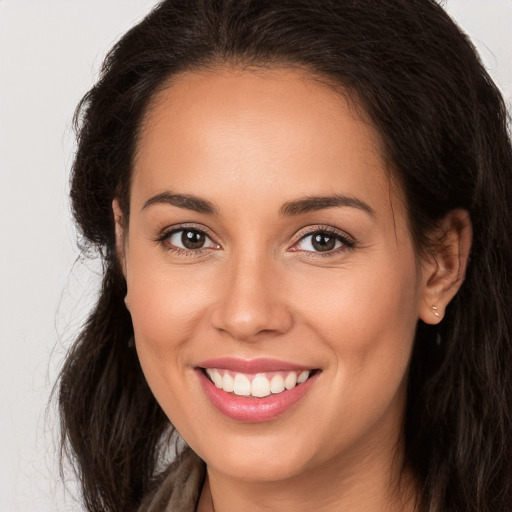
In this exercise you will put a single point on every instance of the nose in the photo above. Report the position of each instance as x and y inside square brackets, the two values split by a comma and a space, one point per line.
[252, 302]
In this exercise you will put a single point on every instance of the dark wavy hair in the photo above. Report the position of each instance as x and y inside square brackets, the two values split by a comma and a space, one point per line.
[445, 132]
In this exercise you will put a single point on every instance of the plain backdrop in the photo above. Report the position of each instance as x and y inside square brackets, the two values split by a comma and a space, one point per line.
[50, 53]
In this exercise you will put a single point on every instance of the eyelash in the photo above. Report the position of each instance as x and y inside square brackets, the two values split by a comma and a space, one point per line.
[163, 239]
[347, 243]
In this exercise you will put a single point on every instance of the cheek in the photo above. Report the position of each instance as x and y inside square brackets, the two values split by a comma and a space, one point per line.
[166, 306]
[166, 301]
[367, 319]
[165, 312]
[358, 303]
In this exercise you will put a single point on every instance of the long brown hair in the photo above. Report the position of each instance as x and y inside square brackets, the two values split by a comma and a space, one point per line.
[444, 126]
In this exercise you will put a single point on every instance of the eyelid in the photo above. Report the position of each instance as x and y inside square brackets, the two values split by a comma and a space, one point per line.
[166, 232]
[347, 240]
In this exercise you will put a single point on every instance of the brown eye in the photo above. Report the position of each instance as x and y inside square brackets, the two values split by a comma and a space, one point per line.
[192, 239]
[323, 242]
[189, 239]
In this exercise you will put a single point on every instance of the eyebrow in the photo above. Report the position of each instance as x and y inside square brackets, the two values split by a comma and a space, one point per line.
[291, 208]
[314, 203]
[186, 201]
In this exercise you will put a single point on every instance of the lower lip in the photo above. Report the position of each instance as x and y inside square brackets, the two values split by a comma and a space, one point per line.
[252, 409]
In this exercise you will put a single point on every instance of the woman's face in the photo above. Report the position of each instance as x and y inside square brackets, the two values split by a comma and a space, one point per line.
[266, 244]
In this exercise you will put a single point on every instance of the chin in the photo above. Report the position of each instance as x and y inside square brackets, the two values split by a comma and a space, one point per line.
[263, 460]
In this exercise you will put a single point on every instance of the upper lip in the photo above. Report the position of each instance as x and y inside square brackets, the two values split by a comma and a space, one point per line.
[252, 365]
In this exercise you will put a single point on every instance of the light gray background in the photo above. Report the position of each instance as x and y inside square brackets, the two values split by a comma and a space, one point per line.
[50, 52]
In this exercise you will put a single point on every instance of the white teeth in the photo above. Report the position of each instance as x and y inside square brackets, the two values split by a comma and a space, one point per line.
[303, 377]
[261, 386]
[291, 380]
[228, 384]
[215, 376]
[242, 385]
[277, 384]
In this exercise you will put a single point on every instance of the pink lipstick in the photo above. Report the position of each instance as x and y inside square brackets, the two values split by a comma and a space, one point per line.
[254, 390]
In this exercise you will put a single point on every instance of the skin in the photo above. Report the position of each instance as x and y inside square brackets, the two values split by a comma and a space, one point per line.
[249, 142]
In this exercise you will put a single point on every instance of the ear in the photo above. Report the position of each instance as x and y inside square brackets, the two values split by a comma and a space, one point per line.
[444, 267]
[119, 223]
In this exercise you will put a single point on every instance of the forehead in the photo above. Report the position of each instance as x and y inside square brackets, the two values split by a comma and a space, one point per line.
[242, 131]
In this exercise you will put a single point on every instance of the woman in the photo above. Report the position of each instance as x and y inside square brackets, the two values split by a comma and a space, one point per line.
[302, 208]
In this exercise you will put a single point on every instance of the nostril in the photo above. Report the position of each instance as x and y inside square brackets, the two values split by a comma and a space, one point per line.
[252, 324]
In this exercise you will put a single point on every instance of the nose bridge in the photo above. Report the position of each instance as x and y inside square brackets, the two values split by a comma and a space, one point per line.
[251, 303]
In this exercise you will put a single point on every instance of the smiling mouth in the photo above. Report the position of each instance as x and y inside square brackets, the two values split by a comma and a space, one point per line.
[258, 385]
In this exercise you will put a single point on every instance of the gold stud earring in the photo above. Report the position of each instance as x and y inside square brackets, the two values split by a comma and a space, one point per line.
[435, 311]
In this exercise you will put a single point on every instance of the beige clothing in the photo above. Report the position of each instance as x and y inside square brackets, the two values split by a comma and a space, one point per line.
[181, 488]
